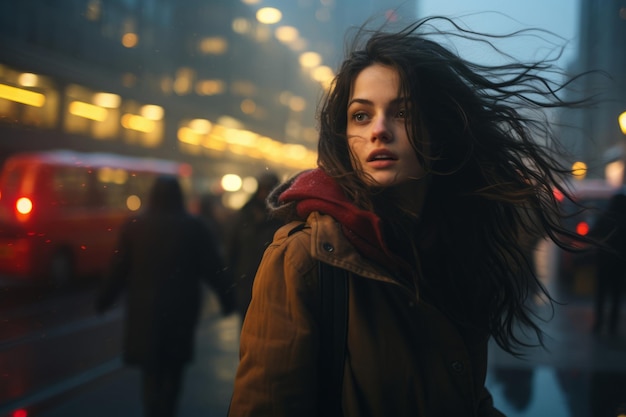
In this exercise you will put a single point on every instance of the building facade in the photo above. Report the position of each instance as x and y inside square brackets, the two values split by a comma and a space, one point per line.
[593, 134]
[209, 82]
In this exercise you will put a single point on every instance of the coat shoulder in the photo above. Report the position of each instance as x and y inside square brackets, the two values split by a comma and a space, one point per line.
[292, 242]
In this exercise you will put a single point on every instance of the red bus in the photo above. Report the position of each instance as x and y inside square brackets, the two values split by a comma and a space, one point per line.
[60, 211]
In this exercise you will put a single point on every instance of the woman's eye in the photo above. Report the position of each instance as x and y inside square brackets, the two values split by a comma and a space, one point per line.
[402, 114]
[359, 117]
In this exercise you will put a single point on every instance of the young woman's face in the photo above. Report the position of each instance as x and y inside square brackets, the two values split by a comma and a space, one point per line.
[376, 130]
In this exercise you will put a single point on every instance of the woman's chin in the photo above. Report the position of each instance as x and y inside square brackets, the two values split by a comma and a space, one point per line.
[387, 181]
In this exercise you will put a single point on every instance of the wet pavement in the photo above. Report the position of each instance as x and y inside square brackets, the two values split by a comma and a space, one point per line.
[111, 389]
[206, 390]
[579, 374]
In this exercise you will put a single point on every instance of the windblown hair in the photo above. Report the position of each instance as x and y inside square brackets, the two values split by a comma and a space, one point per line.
[475, 129]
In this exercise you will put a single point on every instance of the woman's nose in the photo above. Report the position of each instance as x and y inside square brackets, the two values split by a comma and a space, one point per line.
[381, 130]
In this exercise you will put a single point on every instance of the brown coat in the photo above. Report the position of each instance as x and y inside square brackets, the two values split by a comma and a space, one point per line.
[403, 357]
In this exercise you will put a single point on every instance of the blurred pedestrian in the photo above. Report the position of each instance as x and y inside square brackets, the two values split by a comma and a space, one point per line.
[610, 229]
[251, 233]
[163, 255]
[429, 168]
[218, 218]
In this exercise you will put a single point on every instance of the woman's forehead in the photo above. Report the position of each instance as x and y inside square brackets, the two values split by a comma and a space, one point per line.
[376, 77]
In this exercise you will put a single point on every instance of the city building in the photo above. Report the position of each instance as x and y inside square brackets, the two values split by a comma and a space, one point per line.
[228, 86]
[594, 135]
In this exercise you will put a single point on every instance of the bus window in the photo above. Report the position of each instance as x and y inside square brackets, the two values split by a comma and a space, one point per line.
[72, 186]
[139, 185]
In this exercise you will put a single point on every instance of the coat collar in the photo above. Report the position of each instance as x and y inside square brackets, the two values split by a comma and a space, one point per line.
[315, 191]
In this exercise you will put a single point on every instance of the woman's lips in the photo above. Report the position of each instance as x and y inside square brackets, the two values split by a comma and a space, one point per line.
[381, 158]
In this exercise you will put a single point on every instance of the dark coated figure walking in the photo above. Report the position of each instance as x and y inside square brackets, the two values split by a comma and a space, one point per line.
[162, 257]
[252, 231]
[610, 263]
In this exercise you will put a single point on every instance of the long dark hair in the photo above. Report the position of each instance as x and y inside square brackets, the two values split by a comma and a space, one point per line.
[492, 183]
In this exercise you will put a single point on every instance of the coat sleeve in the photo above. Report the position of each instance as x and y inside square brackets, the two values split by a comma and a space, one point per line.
[213, 269]
[277, 372]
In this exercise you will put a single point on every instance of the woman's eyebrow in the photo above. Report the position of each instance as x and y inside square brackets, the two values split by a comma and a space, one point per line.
[370, 103]
[360, 101]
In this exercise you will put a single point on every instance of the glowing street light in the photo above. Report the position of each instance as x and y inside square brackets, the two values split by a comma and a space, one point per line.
[579, 170]
[269, 15]
[286, 34]
[622, 122]
[310, 59]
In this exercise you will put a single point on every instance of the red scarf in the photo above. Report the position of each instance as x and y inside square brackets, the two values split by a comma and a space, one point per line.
[316, 191]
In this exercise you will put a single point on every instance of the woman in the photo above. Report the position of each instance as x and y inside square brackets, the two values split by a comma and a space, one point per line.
[428, 176]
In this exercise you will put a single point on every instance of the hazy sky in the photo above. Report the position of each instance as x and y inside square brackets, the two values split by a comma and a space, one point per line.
[558, 16]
